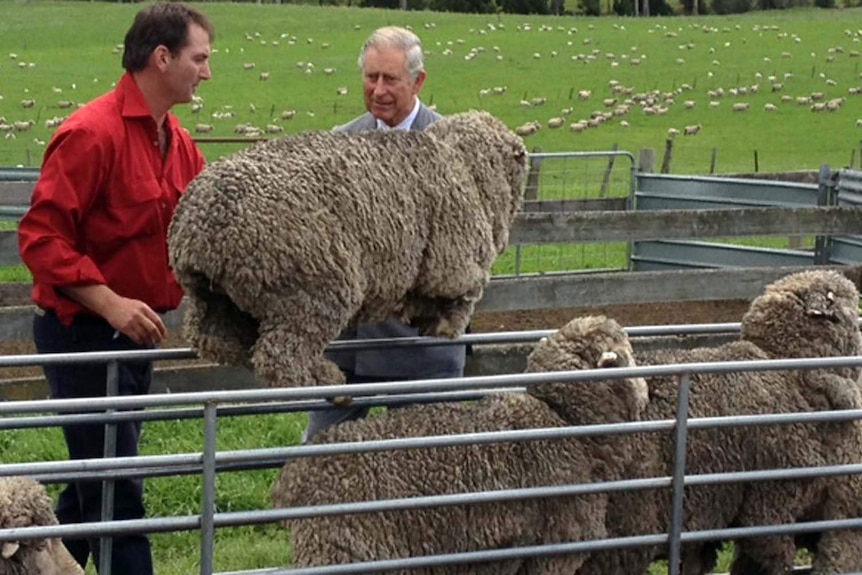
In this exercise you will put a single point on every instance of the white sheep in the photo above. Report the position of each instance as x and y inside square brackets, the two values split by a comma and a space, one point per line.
[24, 503]
[278, 255]
[808, 314]
[584, 343]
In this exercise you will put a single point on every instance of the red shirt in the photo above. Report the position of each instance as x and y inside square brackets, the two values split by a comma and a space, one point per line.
[101, 208]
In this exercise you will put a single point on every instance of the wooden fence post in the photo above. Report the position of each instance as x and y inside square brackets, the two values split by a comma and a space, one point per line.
[531, 192]
[646, 160]
[668, 156]
[712, 161]
[606, 178]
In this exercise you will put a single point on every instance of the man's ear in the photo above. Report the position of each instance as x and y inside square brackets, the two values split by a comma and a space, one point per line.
[420, 81]
[160, 57]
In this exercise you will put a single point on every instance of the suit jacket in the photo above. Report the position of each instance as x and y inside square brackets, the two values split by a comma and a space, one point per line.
[419, 363]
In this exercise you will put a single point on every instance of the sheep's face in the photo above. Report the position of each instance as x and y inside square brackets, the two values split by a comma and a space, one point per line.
[589, 343]
[47, 557]
[808, 314]
[497, 160]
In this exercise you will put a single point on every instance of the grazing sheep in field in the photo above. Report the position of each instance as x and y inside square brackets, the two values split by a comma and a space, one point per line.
[692, 130]
[810, 314]
[24, 503]
[584, 343]
[281, 246]
[556, 122]
[768, 107]
[741, 107]
[528, 129]
[203, 128]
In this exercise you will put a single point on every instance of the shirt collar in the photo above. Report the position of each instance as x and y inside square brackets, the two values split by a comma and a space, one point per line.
[134, 105]
[405, 124]
[133, 102]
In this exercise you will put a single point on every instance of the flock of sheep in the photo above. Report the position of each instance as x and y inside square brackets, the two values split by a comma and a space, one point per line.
[809, 314]
[634, 98]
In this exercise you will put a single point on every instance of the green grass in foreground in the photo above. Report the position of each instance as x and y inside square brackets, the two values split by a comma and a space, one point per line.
[179, 553]
[240, 548]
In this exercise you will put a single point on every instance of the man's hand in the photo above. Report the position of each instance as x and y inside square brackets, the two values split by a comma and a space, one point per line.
[130, 317]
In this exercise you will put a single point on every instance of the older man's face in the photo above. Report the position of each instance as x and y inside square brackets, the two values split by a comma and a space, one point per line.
[390, 92]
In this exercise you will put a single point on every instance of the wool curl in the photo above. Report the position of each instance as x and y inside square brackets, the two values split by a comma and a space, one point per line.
[585, 343]
[281, 246]
[808, 314]
[24, 503]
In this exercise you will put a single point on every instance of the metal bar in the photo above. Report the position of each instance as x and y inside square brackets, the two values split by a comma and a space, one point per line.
[106, 544]
[209, 488]
[680, 445]
[424, 385]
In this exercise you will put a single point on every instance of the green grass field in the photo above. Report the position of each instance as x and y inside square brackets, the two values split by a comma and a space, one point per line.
[52, 52]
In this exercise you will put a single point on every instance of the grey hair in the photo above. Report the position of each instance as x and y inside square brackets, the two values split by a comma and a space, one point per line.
[402, 39]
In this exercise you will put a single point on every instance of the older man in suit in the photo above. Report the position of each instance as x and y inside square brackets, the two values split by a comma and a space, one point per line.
[393, 72]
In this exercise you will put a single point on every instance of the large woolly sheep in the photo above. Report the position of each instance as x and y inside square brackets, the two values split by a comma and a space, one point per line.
[282, 245]
[810, 314]
[584, 343]
[24, 503]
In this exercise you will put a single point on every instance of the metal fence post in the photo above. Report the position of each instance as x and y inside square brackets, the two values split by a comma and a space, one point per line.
[677, 513]
[825, 197]
[106, 542]
[209, 489]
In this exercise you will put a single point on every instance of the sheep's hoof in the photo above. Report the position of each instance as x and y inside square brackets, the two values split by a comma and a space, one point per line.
[341, 400]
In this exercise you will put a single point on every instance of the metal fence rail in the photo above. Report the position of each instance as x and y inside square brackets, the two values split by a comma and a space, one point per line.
[208, 406]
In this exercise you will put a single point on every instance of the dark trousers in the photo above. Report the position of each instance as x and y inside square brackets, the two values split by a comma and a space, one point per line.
[323, 418]
[81, 501]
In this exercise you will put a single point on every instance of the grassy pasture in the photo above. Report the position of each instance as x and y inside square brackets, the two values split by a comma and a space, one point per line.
[71, 46]
[66, 51]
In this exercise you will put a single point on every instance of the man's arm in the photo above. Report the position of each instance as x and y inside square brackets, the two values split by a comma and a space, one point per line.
[131, 317]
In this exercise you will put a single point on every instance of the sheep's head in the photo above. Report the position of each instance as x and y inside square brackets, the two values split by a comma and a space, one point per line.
[590, 342]
[45, 557]
[807, 314]
[24, 503]
[497, 160]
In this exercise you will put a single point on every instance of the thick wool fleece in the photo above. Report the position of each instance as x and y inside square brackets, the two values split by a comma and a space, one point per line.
[463, 469]
[24, 503]
[281, 246]
[795, 317]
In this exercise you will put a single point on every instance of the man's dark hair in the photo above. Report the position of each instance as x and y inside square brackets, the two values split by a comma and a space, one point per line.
[163, 24]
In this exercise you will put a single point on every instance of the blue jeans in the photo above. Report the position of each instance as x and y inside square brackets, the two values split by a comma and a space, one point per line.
[82, 501]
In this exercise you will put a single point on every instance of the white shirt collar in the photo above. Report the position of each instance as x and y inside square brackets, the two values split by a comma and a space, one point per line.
[405, 124]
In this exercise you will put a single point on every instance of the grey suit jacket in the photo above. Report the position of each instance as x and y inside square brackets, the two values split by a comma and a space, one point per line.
[419, 363]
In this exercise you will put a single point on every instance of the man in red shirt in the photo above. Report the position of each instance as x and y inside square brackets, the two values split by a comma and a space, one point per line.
[95, 240]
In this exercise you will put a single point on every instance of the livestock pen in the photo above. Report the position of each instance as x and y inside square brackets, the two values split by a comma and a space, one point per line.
[542, 222]
[208, 462]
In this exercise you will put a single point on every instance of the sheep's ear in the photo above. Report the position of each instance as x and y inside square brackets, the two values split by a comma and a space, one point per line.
[9, 548]
[608, 359]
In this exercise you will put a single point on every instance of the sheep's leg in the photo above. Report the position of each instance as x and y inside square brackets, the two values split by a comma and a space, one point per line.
[292, 339]
[838, 552]
[771, 555]
[452, 320]
[744, 565]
